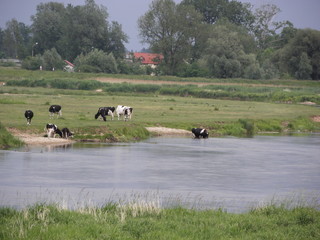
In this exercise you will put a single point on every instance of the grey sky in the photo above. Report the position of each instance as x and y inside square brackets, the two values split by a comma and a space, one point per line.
[302, 13]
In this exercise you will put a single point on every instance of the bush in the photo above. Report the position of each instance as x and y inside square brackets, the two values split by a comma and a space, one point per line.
[97, 61]
[52, 60]
[32, 63]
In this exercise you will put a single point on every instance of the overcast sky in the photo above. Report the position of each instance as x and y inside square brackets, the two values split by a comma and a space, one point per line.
[302, 13]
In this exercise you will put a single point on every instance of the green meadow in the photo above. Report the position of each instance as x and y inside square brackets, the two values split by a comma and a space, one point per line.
[277, 110]
[147, 221]
[237, 107]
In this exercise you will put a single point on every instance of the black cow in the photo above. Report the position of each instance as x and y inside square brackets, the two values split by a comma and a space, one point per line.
[29, 115]
[105, 111]
[55, 109]
[200, 133]
[66, 133]
[52, 130]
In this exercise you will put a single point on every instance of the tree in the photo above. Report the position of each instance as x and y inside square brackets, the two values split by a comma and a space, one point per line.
[225, 55]
[301, 51]
[265, 28]
[48, 25]
[170, 29]
[15, 39]
[96, 61]
[304, 67]
[117, 38]
[214, 10]
[52, 60]
[73, 30]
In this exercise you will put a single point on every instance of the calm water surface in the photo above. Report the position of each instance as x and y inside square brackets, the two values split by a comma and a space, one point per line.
[232, 173]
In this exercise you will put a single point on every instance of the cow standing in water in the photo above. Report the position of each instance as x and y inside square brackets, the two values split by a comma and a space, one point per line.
[105, 111]
[29, 115]
[55, 109]
[200, 133]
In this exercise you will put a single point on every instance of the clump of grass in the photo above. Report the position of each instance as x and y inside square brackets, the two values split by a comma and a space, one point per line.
[7, 140]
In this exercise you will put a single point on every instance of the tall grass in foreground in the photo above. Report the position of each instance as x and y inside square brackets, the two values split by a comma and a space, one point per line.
[139, 219]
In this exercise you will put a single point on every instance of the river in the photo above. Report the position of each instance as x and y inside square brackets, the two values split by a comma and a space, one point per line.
[234, 174]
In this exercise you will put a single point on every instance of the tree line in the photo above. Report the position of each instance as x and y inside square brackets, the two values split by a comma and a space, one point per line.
[197, 38]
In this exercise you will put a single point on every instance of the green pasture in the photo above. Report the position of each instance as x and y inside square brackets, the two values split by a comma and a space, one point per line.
[265, 106]
[79, 108]
[148, 221]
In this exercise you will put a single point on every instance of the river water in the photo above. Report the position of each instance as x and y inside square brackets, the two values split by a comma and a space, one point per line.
[234, 174]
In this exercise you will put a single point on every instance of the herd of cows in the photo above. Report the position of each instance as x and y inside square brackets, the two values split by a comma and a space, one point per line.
[121, 111]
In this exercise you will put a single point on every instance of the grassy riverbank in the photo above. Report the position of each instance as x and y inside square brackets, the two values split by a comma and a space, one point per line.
[147, 221]
[81, 96]
[7, 140]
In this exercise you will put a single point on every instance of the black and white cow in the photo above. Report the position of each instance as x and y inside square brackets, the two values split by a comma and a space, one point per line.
[200, 133]
[105, 111]
[125, 111]
[29, 115]
[52, 130]
[66, 133]
[55, 109]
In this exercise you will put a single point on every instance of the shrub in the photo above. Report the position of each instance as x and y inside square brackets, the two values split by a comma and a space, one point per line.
[97, 61]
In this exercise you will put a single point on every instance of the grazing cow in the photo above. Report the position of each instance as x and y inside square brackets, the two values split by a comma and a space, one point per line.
[52, 130]
[29, 115]
[66, 133]
[125, 111]
[200, 133]
[105, 111]
[55, 109]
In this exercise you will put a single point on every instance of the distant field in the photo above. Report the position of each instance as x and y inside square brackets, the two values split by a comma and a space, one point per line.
[220, 116]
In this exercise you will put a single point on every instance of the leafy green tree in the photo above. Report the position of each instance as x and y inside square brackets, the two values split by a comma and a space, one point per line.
[304, 67]
[225, 55]
[265, 28]
[48, 25]
[117, 39]
[52, 60]
[96, 61]
[301, 51]
[214, 10]
[170, 29]
[73, 30]
[15, 39]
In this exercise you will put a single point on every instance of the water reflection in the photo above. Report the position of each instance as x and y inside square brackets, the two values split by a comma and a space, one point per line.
[228, 172]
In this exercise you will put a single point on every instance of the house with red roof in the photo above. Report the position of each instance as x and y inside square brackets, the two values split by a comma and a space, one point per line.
[150, 59]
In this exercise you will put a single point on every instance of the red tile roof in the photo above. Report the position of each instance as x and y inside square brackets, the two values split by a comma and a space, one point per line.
[148, 58]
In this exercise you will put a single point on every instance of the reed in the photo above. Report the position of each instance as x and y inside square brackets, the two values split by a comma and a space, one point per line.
[145, 219]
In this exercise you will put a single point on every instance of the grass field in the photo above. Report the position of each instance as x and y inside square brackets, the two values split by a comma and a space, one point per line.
[147, 221]
[225, 116]
[151, 108]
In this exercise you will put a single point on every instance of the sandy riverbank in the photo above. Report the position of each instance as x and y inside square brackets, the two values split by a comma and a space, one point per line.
[36, 139]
